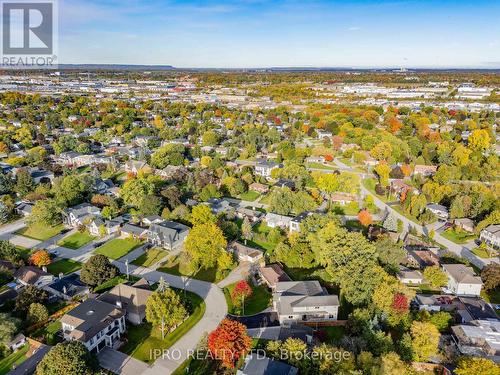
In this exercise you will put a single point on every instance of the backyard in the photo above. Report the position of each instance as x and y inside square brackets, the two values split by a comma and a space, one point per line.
[48, 333]
[63, 266]
[142, 339]
[258, 301]
[13, 359]
[261, 238]
[76, 240]
[118, 247]
[40, 232]
[150, 257]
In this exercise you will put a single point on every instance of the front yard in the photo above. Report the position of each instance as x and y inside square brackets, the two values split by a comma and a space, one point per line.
[150, 257]
[175, 266]
[249, 196]
[483, 253]
[40, 232]
[64, 266]
[13, 359]
[257, 302]
[144, 338]
[457, 235]
[118, 247]
[76, 240]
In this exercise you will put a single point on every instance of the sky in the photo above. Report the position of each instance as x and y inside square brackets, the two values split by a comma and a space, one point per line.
[260, 33]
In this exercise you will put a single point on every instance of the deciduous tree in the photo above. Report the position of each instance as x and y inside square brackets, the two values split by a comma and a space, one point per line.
[229, 342]
[69, 358]
[165, 310]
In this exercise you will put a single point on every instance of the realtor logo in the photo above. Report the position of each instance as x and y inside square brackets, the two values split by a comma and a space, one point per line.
[29, 34]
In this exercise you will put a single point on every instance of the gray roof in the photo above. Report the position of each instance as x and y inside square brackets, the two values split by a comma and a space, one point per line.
[255, 365]
[462, 274]
[168, 230]
[69, 285]
[133, 229]
[90, 317]
[291, 294]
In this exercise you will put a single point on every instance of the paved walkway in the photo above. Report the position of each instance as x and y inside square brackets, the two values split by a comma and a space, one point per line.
[120, 363]
[239, 273]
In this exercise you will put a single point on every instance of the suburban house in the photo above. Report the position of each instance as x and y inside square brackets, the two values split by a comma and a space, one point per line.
[421, 258]
[425, 170]
[257, 365]
[68, 287]
[130, 298]
[272, 274]
[264, 168]
[322, 134]
[259, 188]
[31, 275]
[168, 234]
[110, 226]
[465, 224]
[491, 235]
[275, 220]
[478, 338]
[295, 222]
[94, 323]
[24, 208]
[435, 302]
[134, 166]
[439, 210]
[252, 215]
[409, 276]
[462, 280]
[41, 176]
[133, 231]
[80, 214]
[219, 206]
[152, 219]
[304, 301]
[246, 253]
[343, 198]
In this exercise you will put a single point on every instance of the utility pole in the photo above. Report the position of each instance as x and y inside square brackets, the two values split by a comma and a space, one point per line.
[126, 265]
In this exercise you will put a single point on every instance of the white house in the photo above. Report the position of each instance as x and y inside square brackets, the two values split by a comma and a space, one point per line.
[78, 215]
[96, 324]
[409, 276]
[264, 168]
[491, 235]
[275, 220]
[304, 301]
[462, 280]
[439, 210]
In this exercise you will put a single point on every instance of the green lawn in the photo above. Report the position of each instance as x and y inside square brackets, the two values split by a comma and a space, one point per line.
[76, 240]
[64, 265]
[142, 339]
[249, 196]
[346, 209]
[175, 266]
[15, 358]
[457, 235]
[482, 253]
[118, 247]
[258, 301]
[150, 257]
[321, 166]
[259, 242]
[49, 332]
[40, 232]
[266, 199]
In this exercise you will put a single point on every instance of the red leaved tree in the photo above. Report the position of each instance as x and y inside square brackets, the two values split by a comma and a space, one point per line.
[229, 342]
[241, 290]
[40, 258]
[400, 303]
[365, 218]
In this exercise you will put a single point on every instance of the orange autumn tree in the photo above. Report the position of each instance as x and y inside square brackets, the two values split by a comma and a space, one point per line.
[241, 290]
[406, 169]
[229, 342]
[40, 258]
[365, 218]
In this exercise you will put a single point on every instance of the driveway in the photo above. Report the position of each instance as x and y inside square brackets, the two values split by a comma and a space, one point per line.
[120, 363]
[264, 319]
